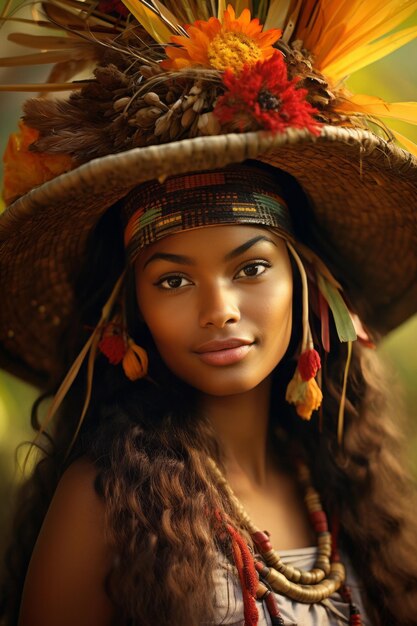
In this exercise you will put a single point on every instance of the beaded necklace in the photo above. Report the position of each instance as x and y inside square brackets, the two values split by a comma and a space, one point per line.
[308, 586]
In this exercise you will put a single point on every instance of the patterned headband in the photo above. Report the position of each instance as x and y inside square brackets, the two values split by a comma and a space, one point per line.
[234, 195]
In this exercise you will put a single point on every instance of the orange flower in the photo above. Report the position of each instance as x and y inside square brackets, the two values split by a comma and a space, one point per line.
[221, 45]
[135, 361]
[305, 395]
[24, 169]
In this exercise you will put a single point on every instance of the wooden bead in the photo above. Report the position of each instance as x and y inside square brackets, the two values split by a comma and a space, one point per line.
[303, 586]
[261, 591]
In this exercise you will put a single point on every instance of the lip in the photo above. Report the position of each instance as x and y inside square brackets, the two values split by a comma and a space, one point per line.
[225, 352]
[224, 344]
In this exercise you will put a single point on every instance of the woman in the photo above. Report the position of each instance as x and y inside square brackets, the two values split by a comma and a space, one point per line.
[182, 441]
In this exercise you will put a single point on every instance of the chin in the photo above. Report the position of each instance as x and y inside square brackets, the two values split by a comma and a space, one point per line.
[224, 385]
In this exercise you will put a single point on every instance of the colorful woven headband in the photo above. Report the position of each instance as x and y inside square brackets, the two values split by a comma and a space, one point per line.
[236, 195]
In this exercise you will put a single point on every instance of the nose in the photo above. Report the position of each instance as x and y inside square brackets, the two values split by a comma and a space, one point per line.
[218, 306]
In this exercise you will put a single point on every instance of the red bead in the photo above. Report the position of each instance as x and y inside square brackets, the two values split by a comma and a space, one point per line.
[272, 605]
[319, 521]
[261, 568]
[355, 616]
[262, 541]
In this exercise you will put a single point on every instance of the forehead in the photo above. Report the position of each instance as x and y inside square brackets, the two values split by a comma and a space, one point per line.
[212, 240]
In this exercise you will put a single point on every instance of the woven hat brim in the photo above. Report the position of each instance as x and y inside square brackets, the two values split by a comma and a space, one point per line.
[363, 192]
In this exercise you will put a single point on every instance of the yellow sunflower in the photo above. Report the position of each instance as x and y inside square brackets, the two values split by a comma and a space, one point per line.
[222, 45]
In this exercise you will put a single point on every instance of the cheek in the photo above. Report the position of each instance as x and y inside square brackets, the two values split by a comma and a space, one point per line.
[274, 313]
[166, 323]
[274, 320]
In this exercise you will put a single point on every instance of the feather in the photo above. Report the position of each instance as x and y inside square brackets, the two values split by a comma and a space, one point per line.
[278, 11]
[150, 20]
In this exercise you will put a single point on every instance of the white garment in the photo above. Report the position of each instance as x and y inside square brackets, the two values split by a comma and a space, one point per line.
[330, 612]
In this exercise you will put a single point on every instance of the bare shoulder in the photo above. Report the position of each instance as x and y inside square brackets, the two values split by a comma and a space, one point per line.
[65, 582]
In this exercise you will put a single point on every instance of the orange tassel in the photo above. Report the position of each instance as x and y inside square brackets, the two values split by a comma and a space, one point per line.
[303, 390]
[135, 361]
[312, 400]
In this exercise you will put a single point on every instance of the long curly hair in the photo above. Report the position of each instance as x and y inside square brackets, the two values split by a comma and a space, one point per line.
[150, 451]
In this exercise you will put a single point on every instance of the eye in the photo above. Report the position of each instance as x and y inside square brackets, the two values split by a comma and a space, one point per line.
[253, 270]
[172, 282]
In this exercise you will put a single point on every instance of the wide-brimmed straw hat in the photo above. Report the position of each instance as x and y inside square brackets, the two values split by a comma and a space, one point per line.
[362, 187]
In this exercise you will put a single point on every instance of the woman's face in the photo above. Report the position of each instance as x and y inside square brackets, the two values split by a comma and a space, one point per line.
[218, 303]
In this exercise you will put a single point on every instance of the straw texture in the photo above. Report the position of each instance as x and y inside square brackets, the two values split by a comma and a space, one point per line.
[364, 197]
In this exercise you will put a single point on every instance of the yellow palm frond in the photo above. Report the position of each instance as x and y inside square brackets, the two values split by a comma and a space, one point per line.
[365, 32]
[346, 35]
[363, 56]
[221, 8]
[240, 5]
[377, 107]
[187, 11]
[150, 20]
[405, 142]
[278, 11]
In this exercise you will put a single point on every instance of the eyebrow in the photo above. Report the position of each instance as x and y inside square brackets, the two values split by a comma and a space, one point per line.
[186, 260]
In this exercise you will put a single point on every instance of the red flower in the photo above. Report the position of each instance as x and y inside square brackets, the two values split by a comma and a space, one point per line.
[113, 344]
[260, 97]
[113, 6]
[308, 364]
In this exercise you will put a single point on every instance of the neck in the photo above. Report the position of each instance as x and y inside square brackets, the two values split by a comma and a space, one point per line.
[241, 426]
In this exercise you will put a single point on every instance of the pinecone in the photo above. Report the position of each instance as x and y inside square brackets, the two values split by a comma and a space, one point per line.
[175, 110]
[127, 105]
[300, 63]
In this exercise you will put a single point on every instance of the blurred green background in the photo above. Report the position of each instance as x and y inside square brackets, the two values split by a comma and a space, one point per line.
[392, 78]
